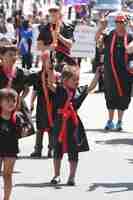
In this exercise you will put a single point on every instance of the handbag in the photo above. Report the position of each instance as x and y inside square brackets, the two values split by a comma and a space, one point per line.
[23, 127]
[23, 121]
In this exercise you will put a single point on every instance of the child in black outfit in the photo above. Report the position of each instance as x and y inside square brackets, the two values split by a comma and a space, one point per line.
[8, 137]
[44, 85]
[68, 131]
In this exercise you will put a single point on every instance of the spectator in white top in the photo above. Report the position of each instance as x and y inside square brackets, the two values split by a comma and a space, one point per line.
[10, 27]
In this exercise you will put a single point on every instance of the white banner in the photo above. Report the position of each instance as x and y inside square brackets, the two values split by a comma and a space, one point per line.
[84, 41]
[28, 7]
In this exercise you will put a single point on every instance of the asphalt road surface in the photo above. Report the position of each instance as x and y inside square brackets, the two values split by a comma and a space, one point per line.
[104, 173]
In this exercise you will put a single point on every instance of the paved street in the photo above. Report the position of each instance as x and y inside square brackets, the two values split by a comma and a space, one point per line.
[104, 173]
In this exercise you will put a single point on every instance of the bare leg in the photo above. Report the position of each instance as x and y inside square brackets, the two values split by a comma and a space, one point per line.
[111, 114]
[57, 166]
[7, 176]
[120, 115]
[73, 167]
[119, 122]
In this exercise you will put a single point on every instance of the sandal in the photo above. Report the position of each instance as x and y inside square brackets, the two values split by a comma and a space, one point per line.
[56, 180]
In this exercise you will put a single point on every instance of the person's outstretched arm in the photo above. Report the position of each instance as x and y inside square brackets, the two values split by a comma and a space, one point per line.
[94, 81]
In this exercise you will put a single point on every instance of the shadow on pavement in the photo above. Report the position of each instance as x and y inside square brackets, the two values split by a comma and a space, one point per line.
[96, 130]
[130, 161]
[124, 187]
[42, 185]
[104, 131]
[14, 172]
[33, 158]
[125, 141]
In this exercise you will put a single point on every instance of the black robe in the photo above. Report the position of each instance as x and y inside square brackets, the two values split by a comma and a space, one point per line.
[116, 99]
[60, 99]
[42, 121]
[8, 138]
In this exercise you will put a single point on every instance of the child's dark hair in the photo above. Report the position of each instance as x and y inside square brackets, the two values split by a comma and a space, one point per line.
[8, 45]
[68, 71]
[8, 93]
[5, 48]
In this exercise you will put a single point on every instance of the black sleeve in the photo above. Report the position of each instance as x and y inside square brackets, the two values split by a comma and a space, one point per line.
[108, 37]
[45, 34]
[80, 96]
[67, 31]
[30, 77]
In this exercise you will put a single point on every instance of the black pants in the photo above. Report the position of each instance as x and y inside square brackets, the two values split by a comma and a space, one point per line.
[39, 141]
[117, 102]
[27, 61]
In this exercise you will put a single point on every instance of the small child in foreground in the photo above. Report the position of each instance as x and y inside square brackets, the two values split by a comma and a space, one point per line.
[68, 131]
[8, 137]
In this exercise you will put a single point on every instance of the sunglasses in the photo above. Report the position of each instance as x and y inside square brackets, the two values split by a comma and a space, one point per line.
[119, 22]
[53, 10]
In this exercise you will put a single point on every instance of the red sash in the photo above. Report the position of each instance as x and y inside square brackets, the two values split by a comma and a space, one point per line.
[46, 57]
[48, 103]
[66, 112]
[116, 77]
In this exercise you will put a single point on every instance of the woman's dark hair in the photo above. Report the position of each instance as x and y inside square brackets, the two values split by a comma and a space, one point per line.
[17, 18]
[4, 49]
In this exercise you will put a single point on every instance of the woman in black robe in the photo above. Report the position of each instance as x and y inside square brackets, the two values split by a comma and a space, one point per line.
[116, 75]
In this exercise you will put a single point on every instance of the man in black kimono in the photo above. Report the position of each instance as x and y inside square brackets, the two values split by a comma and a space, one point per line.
[116, 75]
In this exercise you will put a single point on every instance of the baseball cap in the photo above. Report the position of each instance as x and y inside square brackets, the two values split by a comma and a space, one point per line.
[53, 7]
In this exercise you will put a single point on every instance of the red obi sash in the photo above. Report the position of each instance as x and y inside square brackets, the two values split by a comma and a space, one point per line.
[46, 57]
[48, 102]
[115, 74]
[67, 112]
